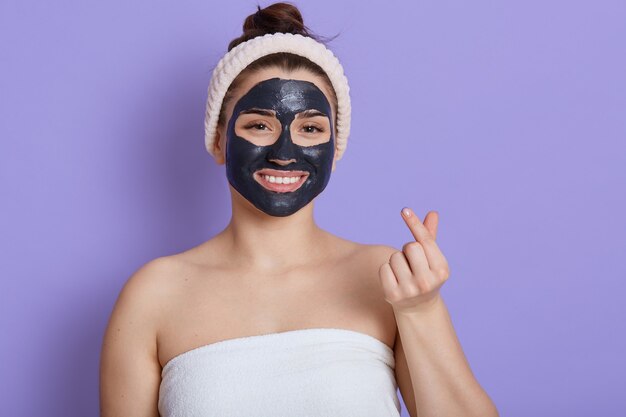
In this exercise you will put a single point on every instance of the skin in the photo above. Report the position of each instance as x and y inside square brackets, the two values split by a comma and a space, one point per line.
[275, 121]
[230, 286]
[266, 274]
[411, 282]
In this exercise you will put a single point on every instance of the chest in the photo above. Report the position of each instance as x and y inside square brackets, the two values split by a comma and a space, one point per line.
[208, 305]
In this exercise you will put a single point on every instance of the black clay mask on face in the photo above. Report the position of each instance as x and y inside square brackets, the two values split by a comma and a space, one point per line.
[244, 159]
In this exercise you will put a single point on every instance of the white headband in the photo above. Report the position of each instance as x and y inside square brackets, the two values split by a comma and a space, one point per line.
[242, 55]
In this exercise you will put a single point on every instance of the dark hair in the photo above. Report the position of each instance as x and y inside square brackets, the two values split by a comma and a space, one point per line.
[279, 17]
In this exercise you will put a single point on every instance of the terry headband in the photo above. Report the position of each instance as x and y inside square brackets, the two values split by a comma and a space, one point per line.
[242, 55]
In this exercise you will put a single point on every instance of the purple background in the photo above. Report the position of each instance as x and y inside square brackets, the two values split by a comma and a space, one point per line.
[508, 119]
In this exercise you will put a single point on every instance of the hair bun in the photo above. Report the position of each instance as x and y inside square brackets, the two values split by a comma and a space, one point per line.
[278, 17]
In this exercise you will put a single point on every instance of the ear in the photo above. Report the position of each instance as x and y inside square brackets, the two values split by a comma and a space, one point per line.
[218, 149]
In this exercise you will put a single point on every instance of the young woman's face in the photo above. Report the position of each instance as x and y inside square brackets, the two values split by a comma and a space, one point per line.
[279, 140]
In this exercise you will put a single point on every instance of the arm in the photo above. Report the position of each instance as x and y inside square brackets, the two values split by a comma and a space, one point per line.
[130, 373]
[442, 381]
[403, 377]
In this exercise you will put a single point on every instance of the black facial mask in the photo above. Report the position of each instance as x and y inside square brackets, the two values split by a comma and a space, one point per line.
[244, 158]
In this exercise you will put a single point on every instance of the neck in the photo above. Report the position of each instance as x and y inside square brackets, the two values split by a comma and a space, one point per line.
[267, 243]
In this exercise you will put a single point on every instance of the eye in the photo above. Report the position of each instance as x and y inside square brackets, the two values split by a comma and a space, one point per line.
[256, 125]
[308, 128]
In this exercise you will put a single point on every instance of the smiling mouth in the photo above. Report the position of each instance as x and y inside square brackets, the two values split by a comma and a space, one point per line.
[280, 181]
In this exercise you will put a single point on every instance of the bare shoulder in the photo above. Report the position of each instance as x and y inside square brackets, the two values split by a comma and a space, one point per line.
[129, 367]
[366, 257]
[161, 270]
[150, 284]
[148, 275]
[384, 250]
[377, 253]
[141, 299]
[371, 257]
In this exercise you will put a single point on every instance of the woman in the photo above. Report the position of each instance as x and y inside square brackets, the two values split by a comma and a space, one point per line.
[275, 316]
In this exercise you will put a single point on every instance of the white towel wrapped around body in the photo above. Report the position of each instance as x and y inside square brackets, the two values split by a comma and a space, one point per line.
[316, 372]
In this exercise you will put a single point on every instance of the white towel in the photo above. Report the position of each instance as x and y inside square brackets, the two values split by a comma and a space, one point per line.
[317, 372]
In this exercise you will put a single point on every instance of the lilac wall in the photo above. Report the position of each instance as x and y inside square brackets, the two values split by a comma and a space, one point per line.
[509, 119]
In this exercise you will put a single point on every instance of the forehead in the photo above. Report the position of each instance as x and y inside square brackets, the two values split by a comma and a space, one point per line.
[284, 96]
[273, 72]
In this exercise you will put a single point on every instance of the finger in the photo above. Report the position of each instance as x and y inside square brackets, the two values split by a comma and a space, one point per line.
[431, 221]
[417, 228]
[400, 266]
[435, 257]
[387, 278]
[423, 276]
[416, 258]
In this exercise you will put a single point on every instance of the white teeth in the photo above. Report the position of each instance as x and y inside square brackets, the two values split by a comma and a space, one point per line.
[281, 180]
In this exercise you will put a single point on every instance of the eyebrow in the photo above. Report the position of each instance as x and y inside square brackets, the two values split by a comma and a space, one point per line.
[310, 113]
[302, 115]
[262, 112]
